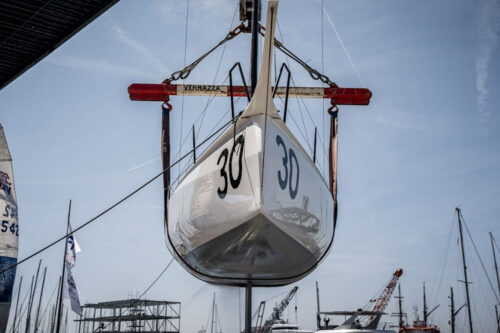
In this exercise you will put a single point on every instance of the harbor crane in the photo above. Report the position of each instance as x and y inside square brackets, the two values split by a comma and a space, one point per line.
[383, 299]
[277, 312]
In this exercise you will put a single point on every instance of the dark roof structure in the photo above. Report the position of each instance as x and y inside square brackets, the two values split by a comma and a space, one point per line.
[30, 30]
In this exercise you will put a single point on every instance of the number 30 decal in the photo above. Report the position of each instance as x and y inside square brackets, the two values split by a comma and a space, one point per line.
[235, 181]
[285, 178]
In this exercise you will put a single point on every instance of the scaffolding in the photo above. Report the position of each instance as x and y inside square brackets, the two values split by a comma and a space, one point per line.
[132, 315]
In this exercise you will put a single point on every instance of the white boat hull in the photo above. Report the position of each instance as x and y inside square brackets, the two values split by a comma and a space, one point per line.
[273, 224]
[254, 208]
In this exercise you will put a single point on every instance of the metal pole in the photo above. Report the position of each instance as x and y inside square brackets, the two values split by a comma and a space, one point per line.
[56, 305]
[315, 138]
[28, 306]
[452, 312]
[17, 304]
[59, 312]
[495, 261]
[465, 269]
[318, 319]
[498, 319]
[400, 305]
[213, 315]
[32, 299]
[40, 300]
[425, 307]
[255, 45]
[248, 308]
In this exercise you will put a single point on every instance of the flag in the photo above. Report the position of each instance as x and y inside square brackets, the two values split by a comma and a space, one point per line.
[71, 298]
[70, 292]
[72, 249]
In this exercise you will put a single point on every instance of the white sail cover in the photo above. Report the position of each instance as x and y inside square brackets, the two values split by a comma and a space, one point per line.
[9, 230]
[254, 208]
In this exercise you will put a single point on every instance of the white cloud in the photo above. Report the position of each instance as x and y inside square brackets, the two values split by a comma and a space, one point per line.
[489, 29]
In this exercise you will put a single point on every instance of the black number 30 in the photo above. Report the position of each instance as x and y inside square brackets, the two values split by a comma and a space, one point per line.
[235, 181]
[289, 159]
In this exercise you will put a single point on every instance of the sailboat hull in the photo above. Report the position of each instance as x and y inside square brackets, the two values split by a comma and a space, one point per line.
[243, 213]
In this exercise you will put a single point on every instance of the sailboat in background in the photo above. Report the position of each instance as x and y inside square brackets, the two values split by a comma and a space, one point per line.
[9, 230]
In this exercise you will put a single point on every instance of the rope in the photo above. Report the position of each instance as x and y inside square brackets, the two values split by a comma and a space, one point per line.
[125, 198]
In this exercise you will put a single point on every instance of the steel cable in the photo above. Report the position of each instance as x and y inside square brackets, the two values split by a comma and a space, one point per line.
[125, 198]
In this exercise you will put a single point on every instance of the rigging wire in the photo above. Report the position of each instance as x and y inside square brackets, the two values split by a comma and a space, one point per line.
[307, 110]
[298, 104]
[20, 311]
[324, 117]
[476, 304]
[442, 264]
[48, 303]
[139, 298]
[185, 55]
[210, 98]
[117, 203]
[480, 260]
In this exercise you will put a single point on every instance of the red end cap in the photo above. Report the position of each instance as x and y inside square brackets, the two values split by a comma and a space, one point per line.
[348, 96]
[151, 92]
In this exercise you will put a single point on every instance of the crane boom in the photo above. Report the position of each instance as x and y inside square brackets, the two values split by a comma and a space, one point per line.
[278, 311]
[384, 299]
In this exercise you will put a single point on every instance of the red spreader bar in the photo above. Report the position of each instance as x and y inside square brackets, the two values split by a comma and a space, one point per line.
[162, 92]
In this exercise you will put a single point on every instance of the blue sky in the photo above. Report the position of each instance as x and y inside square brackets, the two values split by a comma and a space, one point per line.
[429, 141]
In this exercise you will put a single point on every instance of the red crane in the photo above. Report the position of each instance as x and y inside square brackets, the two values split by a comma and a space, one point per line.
[384, 299]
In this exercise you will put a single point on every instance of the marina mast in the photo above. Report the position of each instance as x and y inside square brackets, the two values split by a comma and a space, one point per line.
[400, 306]
[426, 315]
[498, 281]
[466, 281]
[452, 307]
[453, 312]
[254, 23]
[61, 286]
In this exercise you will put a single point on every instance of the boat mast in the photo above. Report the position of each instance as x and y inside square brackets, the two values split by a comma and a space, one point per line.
[400, 306]
[213, 315]
[61, 286]
[40, 300]
[254, 23]
[318, 318]
[466, 281]
[453, 312]
[32, 299]
[452, 307]
[17, 304]
[498, 280]
[425, 308]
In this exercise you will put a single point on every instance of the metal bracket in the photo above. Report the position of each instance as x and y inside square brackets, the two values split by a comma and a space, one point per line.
[287, 88]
